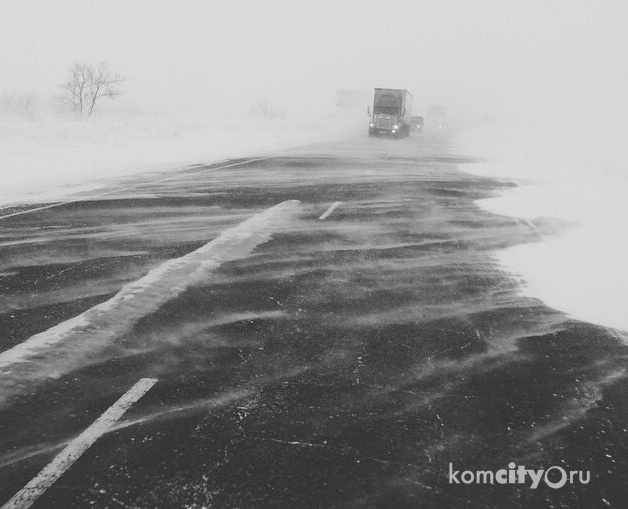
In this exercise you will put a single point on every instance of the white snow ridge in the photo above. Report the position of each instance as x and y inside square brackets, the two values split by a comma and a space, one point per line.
[65, 346]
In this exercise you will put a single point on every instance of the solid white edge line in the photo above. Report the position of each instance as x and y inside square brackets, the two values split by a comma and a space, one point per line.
[64, 460]
[158, 181]
[330, 210]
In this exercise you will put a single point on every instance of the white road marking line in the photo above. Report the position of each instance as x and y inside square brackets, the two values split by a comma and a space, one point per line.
[532, 227]
[330, 210]
[158, 181]
[37, 209]
[64, 460]
[95, 327]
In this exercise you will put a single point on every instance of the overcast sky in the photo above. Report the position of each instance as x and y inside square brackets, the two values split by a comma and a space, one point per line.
[475, 56]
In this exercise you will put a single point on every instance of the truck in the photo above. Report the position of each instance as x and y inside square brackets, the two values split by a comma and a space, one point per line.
[416, 124]
[392, 109]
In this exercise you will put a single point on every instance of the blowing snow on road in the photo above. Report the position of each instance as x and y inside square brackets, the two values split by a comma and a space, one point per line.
[321, 255]
[306, 354]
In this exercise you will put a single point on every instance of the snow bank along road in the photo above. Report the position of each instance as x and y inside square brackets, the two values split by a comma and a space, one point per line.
[327, 327]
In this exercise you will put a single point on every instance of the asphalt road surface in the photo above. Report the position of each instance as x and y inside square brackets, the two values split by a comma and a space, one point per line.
[327, 327]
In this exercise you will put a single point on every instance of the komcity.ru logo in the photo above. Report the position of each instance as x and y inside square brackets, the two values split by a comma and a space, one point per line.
[555, 477]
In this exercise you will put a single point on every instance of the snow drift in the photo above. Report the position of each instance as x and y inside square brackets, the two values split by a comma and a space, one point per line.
[69, 344]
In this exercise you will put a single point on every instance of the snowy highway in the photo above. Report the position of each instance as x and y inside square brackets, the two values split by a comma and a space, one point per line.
[326, 327]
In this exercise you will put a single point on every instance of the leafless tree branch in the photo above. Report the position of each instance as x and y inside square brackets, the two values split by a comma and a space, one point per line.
[86, 84]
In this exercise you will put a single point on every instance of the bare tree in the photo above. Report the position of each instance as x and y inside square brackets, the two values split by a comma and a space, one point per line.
[27, 102]
[14, 103]
[87, 84]
[74, 93]
[103, 83]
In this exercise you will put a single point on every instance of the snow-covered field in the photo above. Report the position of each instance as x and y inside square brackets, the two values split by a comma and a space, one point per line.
[582, 270]
[49, 159]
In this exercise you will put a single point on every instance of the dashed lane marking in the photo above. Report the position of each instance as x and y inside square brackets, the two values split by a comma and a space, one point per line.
[64, 460]
[330, 210]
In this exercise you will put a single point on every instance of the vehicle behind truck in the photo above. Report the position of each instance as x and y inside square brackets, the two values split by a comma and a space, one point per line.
[392, 109]
[416, 124]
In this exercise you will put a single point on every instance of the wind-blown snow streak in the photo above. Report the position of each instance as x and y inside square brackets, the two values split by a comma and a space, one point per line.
[54, 352]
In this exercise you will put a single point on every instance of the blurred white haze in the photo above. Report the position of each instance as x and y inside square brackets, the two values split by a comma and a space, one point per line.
[537, 87]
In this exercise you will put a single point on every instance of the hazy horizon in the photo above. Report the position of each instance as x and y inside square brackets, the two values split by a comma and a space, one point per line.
[529, 61]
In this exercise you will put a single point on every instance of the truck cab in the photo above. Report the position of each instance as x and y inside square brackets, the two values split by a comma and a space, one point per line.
[392, 109]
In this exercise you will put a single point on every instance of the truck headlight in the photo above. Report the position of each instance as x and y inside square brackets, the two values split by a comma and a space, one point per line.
[395, 126]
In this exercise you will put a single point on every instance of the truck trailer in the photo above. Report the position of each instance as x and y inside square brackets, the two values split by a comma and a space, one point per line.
[392, 109]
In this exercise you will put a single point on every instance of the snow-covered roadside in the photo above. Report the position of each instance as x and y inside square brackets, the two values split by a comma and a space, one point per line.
[49, 159]
[582, 271]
